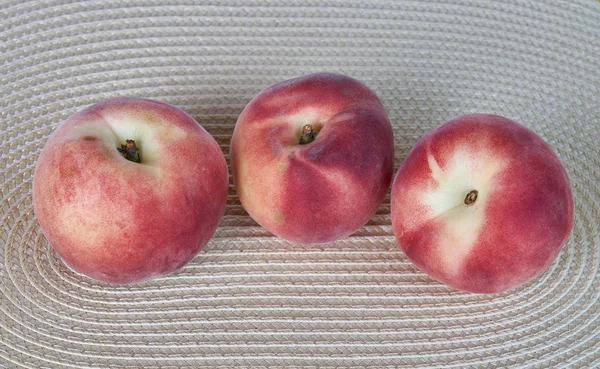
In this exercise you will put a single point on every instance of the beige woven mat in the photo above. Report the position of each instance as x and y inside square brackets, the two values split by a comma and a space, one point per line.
[249, 299]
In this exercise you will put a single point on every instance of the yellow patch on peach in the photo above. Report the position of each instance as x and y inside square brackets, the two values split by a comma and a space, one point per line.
[465, 170]
[247, 185]
[147, 138]
[279, 218]
[283, 165]
[148, 118]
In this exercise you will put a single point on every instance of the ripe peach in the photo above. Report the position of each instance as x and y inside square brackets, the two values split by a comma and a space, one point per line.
[312, 157]
[129, 189]
[482, 204]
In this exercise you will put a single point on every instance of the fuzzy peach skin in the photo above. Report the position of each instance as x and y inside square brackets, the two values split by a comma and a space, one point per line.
[120, 221]
[324, 190]
[511, 232]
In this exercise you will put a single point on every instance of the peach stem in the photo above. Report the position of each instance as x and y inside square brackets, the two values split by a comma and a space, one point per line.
[308, 134]
[471, 197]
[130, 151]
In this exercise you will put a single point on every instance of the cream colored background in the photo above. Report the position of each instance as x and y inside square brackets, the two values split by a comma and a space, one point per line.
[251, 300]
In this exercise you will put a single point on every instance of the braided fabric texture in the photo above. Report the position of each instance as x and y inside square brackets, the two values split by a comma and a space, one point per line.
[249, 299]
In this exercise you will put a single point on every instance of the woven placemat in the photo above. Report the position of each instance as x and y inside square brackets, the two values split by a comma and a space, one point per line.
[249, 299]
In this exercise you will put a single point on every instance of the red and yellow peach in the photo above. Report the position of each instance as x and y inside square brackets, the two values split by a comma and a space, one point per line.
[311, 189]
[482, 204]
[120, 220]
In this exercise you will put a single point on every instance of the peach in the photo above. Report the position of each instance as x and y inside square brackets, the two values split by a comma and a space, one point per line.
[482, 204]
[312, 157]
[129, 189]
